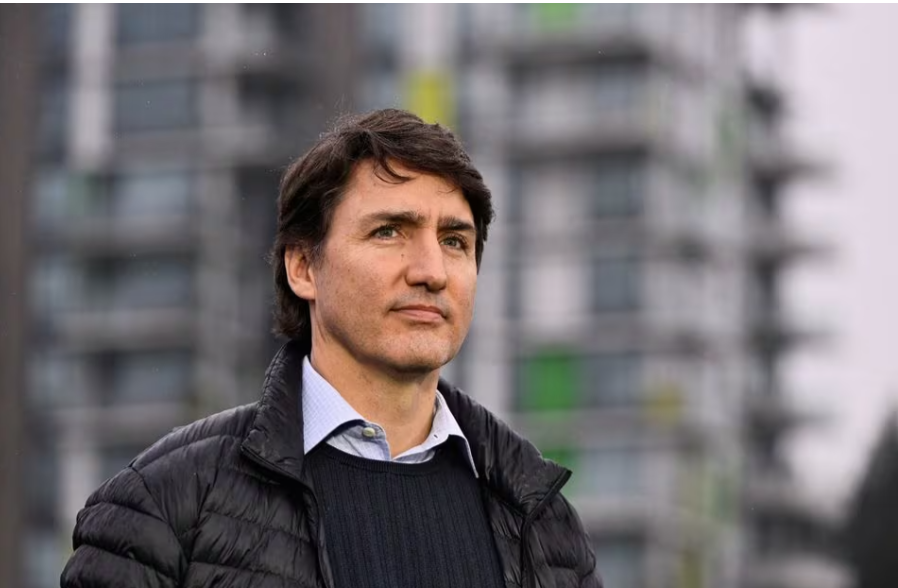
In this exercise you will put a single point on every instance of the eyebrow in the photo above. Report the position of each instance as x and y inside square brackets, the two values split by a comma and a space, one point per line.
[416, 219]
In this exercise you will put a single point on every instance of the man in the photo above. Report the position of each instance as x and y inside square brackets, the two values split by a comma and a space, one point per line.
[359, 466]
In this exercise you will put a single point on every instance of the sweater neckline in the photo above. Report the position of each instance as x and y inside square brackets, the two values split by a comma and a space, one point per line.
[438, 461]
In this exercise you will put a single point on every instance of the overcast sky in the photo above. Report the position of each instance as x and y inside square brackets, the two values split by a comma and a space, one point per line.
[845, 100]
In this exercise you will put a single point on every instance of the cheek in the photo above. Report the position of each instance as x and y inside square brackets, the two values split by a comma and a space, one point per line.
[466, 292]
[360, 277]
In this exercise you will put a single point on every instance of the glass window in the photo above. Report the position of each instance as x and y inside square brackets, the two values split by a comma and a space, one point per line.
[51, 201]
[557, 380]
[292, 19]
[276, 103]
[380, 89]
[514, 214]
[617, 87]
[57, 380]
[141, 23]
[513, 298]
[266, 21]
[682, 199]
[60, 197]
[156, 105]
[153, 282]
[43, 482]
[617, 186]
[551, 16]
[142, 194]
[159, 282]
[548, 381]
[57, 28]
[572, 100]
[554, 198]
[513, 206]
[53, 116]
[611, 472]
[381, 26]
[612, 18]
[44, 558]
[56, 285]
[565, 18]
[150, 377]
[615, 285]
[613, 379]
[620, 561]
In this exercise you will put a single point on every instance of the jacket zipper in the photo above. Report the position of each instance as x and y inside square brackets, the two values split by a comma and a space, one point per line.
[526, 564]
[259, 460]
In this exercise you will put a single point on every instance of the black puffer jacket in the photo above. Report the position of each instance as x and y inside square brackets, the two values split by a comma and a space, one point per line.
[224, 502]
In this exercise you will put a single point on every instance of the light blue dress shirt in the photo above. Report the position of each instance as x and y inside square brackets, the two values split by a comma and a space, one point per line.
[328, 417]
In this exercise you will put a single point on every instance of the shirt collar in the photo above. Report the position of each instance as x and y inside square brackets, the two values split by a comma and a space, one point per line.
[445, 426]
[325, 410]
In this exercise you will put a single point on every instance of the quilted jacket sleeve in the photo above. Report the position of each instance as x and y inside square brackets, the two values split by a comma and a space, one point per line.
[122, 540]
[585, 556]
[591, 580]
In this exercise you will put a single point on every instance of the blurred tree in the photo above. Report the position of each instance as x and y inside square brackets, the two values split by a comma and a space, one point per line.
[871, 532]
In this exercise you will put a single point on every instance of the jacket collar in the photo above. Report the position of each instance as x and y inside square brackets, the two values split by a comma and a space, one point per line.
[275, 436]
[508, 464]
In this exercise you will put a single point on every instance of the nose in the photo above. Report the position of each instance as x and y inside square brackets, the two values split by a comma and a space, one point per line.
[426, 264]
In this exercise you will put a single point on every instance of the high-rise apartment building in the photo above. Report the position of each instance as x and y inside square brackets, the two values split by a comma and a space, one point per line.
[628, 318]
[790, 536]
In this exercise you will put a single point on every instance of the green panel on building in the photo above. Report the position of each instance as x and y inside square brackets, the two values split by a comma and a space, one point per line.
[550, 382]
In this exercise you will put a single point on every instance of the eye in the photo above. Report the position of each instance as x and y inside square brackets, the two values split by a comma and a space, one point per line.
[456, 242]
[385, 232]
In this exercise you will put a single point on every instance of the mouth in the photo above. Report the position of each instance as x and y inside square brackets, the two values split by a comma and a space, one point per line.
[422, 313]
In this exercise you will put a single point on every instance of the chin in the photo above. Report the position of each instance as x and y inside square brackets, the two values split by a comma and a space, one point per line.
[421, 361]
[420, 364]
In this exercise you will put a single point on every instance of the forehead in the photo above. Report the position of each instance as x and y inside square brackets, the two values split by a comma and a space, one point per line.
[371, 188]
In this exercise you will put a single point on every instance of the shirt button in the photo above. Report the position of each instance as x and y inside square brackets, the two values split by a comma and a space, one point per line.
[369, 432]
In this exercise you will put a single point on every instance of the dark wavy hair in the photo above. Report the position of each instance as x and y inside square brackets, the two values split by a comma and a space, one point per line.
[313, 186]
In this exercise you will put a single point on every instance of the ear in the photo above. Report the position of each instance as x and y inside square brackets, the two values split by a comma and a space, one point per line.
[300, 273]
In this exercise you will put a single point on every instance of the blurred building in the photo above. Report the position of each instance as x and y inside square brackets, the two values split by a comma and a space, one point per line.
[162, 134]
[628, 317]
[792, 537]
[17, 95]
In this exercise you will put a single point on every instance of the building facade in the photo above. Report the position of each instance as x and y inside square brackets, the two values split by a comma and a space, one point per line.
[628, 318]
[162, 134]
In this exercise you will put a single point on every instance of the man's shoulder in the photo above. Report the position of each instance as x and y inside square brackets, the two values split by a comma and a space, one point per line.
[208, 439]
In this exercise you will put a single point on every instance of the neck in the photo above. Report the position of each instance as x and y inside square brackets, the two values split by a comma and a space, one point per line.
[402, 406]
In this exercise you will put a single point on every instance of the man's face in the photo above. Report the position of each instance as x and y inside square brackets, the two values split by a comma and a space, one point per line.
[395, 285]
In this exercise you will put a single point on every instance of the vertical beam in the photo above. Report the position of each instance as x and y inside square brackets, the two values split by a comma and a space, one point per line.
[18, 80]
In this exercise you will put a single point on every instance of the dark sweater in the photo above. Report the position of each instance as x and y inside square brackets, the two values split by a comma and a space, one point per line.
[393, 525]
